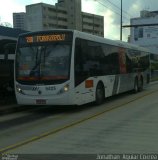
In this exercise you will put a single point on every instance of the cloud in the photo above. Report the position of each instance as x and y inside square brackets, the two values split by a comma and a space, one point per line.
[7, 9]
[111, 30]
[111, 23]
[135, 8]
[88, 6]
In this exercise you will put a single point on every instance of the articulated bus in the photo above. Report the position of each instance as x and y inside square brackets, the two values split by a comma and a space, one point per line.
[68, 67]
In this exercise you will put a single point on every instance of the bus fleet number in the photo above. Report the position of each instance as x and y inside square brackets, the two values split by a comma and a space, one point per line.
[51, 88]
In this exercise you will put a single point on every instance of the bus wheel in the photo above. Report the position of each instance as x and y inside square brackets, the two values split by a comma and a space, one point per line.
[136, 85]
[100, 94]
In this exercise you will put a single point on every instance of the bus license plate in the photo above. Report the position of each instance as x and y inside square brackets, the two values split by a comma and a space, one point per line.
[40, 101]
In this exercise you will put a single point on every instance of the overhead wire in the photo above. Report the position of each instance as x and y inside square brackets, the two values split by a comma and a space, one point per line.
[112, 10]
[147, 7]
[119, 8]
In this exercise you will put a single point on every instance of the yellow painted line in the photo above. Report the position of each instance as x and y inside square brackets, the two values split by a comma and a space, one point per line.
[30, 140]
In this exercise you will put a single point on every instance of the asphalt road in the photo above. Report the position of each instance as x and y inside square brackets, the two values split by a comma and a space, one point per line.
[123, 124]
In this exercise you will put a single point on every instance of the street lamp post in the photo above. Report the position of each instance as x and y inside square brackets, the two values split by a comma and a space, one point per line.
[121, 23]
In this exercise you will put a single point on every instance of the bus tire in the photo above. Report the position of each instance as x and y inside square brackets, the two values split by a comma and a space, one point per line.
[100, 94]
[136, 88]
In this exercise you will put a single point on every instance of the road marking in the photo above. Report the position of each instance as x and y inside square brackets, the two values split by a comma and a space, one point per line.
[51, 132]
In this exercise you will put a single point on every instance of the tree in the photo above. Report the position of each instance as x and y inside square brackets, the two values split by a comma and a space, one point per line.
[5, 24]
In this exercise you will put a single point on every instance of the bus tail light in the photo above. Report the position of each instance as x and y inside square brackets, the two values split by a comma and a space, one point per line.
[88, 83]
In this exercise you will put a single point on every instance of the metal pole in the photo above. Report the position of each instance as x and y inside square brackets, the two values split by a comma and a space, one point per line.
[121, 23]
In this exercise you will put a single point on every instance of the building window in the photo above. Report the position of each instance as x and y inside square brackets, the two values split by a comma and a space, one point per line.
[51, 10]
[140, 32]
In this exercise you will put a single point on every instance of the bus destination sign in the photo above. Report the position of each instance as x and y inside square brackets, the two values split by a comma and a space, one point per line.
[45, 38]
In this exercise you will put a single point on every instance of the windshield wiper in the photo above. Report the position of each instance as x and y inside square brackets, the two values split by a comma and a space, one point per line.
[35, 71]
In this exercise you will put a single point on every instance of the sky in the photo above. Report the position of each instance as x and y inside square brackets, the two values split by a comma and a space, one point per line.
[110, 9]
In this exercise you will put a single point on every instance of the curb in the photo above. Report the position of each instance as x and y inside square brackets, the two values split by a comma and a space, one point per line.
[153, 83]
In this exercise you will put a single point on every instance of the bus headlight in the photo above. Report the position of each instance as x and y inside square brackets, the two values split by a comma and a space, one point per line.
[64, 89]
[19, 90]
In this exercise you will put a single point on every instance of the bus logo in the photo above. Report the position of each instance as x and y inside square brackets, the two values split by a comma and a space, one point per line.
[35, 88]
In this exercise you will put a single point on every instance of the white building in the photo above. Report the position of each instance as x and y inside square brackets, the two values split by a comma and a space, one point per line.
[66, 14]
[146, 36]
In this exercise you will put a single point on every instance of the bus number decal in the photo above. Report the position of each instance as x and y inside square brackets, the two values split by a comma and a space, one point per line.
[51, 88]
[29, 39]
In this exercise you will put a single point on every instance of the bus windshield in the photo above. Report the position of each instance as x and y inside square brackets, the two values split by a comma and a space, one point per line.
[43, 63]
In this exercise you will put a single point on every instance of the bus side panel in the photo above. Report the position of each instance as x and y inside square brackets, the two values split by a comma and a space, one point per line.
[85, 92]
[126, 82]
